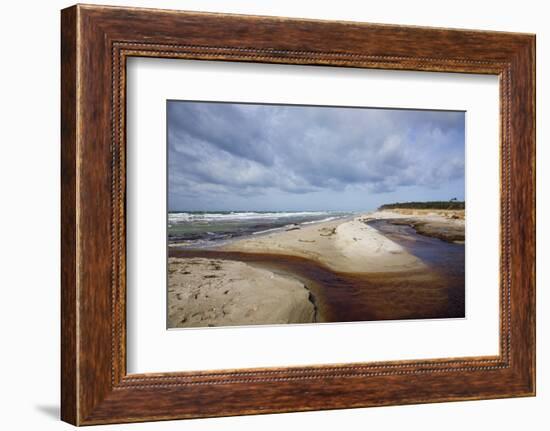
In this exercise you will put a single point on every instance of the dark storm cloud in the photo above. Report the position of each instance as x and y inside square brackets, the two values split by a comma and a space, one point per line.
[217, 149]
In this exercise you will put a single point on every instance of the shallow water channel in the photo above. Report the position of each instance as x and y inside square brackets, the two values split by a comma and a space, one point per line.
[437, 292]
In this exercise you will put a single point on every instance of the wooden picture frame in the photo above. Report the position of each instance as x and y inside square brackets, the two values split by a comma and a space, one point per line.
[95, 43]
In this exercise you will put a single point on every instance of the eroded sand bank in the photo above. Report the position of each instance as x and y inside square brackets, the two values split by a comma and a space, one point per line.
[447, 225]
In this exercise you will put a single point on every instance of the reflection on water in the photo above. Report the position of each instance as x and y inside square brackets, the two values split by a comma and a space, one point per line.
[445, 258]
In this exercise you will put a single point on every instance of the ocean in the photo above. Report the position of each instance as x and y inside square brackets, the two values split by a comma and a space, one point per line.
[203, 229]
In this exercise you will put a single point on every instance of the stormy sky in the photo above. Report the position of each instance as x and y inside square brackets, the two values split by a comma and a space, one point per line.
[227, 156]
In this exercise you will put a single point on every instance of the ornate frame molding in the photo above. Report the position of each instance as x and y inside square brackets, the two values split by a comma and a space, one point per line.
[96, 41]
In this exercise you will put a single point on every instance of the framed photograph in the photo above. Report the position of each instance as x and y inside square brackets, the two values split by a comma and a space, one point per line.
[263, 214]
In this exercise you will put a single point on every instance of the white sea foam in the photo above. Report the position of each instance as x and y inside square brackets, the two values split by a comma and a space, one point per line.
[322, 220]
[182, 217]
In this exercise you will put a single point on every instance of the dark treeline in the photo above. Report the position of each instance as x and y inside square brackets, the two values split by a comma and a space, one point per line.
[435, 205]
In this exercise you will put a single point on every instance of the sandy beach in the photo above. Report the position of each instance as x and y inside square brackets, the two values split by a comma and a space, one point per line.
[216, 292]
[338, 270]
[344, 246]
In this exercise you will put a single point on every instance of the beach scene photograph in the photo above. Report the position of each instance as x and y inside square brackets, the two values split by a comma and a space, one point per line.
[299, 214]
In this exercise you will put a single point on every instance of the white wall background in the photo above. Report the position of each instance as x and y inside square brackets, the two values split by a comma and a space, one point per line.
[29, 215]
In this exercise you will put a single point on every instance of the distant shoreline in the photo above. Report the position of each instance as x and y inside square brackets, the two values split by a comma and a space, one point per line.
[430, 205]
